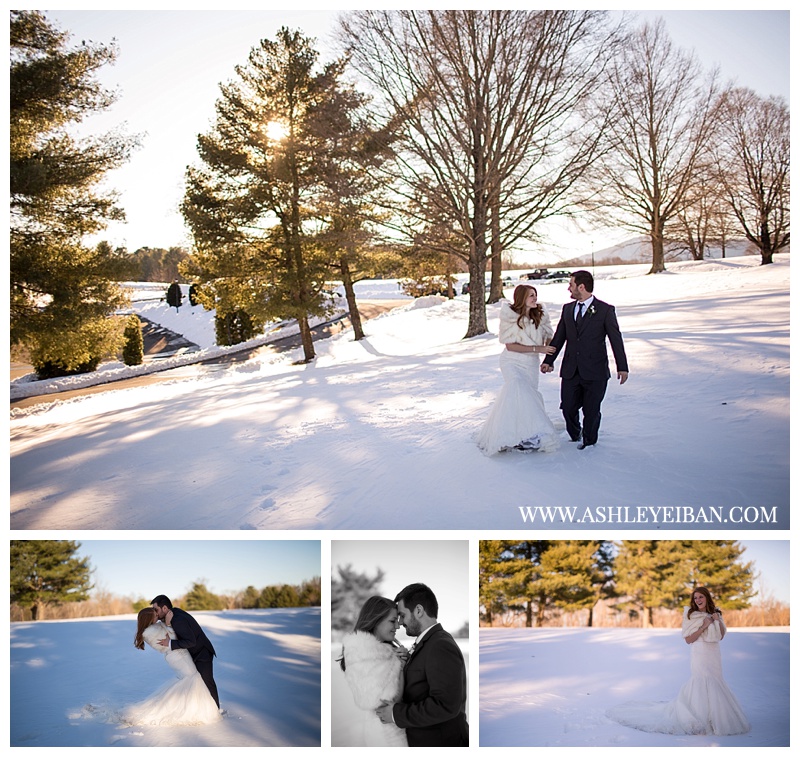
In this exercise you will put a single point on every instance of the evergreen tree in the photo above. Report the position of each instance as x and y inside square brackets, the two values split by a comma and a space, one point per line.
[718, 565]
[515, 578]
[576, 574]
[348, 594]
[200, 598]
[61, 291]
[250, 598]
[133, 351]
[250, 204]
[311, 593]
[48, 573]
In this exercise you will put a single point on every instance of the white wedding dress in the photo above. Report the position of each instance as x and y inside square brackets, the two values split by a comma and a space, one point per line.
[704, 706]
[518, 413]
[185, 701]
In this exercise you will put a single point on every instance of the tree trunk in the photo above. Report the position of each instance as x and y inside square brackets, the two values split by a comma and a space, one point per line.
[766, 245]
[477, 296]
[307, 338]
[350, 296]
[496, 285]
[657, 241]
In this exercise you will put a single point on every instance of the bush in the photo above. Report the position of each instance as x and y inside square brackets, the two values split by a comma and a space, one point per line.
[133, 351]
[233, 328]
[70, 351]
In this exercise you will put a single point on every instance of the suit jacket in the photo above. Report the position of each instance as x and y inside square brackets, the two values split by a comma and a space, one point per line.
[586, 354]
[190, 636]
[433, 710]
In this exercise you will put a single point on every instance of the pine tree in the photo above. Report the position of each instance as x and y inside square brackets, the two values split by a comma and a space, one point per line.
[718, 565]
[62, 292]
[250, 204]
[133, 351]
[45, 573]
[348, 594]
[576, 574]
[200, 598]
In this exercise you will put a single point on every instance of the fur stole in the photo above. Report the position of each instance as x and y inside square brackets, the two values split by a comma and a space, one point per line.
[372, 670]
[692, 625]
[154, 633]
[529, 334]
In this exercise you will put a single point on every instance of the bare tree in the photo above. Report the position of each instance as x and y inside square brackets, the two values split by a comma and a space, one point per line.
[754, 167]
[491, 129]
[662, 113]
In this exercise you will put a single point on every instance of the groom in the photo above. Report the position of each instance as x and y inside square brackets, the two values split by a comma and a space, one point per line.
[433, 710]
[190, 637]
[584, 326]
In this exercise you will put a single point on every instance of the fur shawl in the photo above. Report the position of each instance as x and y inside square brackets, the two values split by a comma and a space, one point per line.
[692, 625]
[372, 670]
[155, 633]
[529, 334]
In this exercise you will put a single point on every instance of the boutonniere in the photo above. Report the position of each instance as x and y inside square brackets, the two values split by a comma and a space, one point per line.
[590, 311]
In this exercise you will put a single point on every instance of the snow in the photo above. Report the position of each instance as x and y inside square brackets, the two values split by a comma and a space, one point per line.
[267, 672]
[377, 434]
[551, 687]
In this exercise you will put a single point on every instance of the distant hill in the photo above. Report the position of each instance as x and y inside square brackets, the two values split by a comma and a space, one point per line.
[639, 250]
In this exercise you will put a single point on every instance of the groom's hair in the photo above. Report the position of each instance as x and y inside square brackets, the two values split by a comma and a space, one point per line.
[585, 278]
[419, 594]
[162, 601]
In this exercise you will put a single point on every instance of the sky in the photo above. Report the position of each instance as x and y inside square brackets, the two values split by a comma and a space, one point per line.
[147, 567]
[442, 565]
[171, 63]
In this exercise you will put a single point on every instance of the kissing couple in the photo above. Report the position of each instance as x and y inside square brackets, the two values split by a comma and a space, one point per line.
[413, 697]
[192, 699]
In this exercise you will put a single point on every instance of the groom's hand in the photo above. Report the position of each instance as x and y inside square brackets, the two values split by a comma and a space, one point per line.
[384, 712]
[163, 642]
[622, 376]
[546, 368]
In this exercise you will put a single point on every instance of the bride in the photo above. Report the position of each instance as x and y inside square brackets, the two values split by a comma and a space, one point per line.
[372, 661]
[518, 418]
[185, 701]
[705, 705]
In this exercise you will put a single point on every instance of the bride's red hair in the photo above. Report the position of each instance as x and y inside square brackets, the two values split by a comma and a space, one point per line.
[711, 608]
[520, 308]
[146, 617]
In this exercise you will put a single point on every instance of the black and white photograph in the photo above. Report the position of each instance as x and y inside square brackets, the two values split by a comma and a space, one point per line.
[400, 643]
[657, 643]
[165, 643]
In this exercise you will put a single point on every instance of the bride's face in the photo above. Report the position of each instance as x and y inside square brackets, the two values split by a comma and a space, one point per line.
[699, 600]
[387, 628]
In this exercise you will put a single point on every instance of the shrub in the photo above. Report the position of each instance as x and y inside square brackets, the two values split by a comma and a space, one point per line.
[133, 350]
[233, 328]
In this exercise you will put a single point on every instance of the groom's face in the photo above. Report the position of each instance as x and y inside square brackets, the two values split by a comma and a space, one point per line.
[408, 620]
[160, 611]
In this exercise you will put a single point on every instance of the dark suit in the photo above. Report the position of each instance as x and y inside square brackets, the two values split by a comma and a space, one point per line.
[584, 368]
[433, 710]
[193, 639]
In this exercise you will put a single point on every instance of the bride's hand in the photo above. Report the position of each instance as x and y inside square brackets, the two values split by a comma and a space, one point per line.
[548, 350]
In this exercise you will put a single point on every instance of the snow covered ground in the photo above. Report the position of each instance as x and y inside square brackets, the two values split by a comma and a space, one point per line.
[551, 687]
[378, 433]
[267, 672]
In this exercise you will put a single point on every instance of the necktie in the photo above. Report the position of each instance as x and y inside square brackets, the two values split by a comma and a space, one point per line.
[580, 314]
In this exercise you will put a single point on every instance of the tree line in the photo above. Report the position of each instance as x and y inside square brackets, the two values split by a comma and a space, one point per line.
[350, 589]
[436, 138]
[632, 581]
[48, 580]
